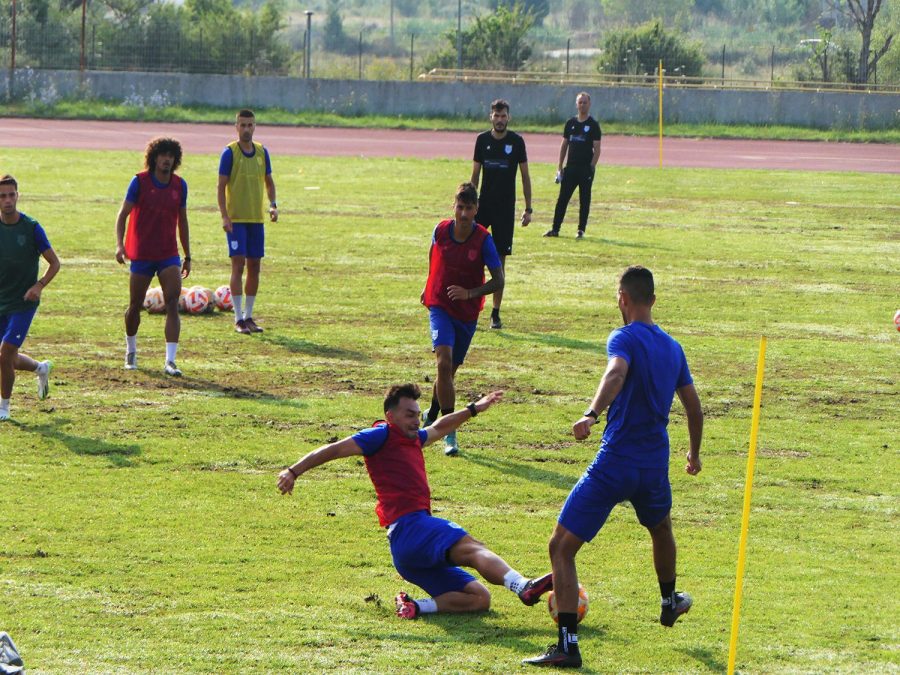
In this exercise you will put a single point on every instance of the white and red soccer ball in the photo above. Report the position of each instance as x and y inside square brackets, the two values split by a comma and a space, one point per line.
[582, 604]
[196, 300]
[223, 299]
[154, 301]
[897, 319]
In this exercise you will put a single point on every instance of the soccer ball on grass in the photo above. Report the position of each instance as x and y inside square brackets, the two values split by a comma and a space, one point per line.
[223, 298]
[582, 605]
[154, 302]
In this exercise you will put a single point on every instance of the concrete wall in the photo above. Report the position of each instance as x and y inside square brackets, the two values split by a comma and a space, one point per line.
[469, 99]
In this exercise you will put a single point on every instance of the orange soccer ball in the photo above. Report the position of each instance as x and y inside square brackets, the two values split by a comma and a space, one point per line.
[582, 605]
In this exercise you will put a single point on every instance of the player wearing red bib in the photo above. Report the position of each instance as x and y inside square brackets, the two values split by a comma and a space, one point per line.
[426, 551]
[454, 295]
[155, 206]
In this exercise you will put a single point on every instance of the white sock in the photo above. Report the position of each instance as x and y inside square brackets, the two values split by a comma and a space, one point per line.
[41, 368]
[131, 343]
[427, 606]
[4, 404]
[238, 301]
[171, 350]
[514, 581]
[248, 312]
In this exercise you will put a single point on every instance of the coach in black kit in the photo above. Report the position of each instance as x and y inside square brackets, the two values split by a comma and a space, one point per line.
[581, 142]
[500, 153]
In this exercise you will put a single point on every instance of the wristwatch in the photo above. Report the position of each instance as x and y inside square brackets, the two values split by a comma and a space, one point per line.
[590, 413]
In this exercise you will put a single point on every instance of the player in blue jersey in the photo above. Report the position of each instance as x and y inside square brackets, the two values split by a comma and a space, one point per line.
[23, 243]
[645, 369]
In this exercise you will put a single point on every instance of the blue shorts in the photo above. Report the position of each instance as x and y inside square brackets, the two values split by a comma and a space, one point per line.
[14, 326]
[246, 239]
[609, 482]
[445, 330]
[420, 544]
[151, 268]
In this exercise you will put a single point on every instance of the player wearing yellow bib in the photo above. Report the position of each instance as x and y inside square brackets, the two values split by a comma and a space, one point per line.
[245, 173]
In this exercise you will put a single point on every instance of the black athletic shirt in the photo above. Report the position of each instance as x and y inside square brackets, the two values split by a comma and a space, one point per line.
[499, 164]
[581, 137]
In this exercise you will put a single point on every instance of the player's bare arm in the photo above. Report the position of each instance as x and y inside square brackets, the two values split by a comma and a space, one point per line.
[451, 422]
[33, 294]
[185, 238]
[476, 173]
[124, 211]
[609, 387]
[526, 191]
[223, 211]
[694, 411]
[270, 193]
[563, 151]
[327, 453]
[495, 284]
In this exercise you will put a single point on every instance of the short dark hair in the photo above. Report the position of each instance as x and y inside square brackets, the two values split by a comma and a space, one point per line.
[162, 146]
[395, 393]
[637, 281]
[582, 93]
[244, 112]
[500, 104]
[7, 179]
[467, 193]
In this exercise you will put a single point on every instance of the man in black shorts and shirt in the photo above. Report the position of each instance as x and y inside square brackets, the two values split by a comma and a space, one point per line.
[581, 142]
[500, 153]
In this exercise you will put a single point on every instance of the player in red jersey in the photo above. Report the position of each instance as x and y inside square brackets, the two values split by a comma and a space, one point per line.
[156, 208]
[454, 295]
[427, 551]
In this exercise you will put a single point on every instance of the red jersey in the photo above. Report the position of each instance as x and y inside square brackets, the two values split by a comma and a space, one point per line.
[455, 263]
[153, 222]
[397, 471]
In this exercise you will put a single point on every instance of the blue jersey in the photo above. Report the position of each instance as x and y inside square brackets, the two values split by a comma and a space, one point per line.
[370, 440]
[227, 160]
[637, 418]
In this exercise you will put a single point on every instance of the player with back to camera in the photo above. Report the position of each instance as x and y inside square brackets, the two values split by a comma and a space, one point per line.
[156, 208]
[454, 295]
[245, 179]
[499, 154]
[644, 371]
[23, 243]
[427, 551]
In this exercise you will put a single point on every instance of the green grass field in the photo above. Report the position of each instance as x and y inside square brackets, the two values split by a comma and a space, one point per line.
[140, 527]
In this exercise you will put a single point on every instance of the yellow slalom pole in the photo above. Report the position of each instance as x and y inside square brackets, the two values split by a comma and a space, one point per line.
[745, 519]
[660, 111]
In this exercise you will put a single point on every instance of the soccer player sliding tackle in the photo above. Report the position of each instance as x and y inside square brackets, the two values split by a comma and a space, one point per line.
[427, 551]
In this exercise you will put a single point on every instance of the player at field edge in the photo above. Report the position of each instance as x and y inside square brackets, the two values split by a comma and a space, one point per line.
[499, 153]
[156, 208]
[245, 174]
[581, 145]
[454, 295]
[23, 243]
[645, 369]
[427, 551]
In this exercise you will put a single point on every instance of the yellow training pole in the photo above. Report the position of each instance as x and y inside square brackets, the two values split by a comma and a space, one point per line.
[660, 111]
[745, 519]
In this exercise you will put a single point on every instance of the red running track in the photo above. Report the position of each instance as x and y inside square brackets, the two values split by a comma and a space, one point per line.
[325, 142]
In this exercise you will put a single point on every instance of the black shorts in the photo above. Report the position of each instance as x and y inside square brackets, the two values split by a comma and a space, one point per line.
[501, 221]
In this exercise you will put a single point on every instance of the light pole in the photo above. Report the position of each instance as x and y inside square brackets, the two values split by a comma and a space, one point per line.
[309, 14]
[459, 38]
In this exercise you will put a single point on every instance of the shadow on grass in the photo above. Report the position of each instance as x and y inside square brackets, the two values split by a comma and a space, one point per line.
[705, 656]
[301, 346]
[480, 628]
[523, 471]
[117, 454]
[550, 341]
[199, 384]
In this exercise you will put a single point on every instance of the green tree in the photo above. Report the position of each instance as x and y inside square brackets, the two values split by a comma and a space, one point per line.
[629, 12]
[333, 35]
[637, 51]
[493, 42]
[539, 9]
[864, 13]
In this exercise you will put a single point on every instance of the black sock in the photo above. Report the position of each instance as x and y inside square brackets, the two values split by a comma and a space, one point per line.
[667, 590]
[495, 313]
[568, 632]
[434, 409]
